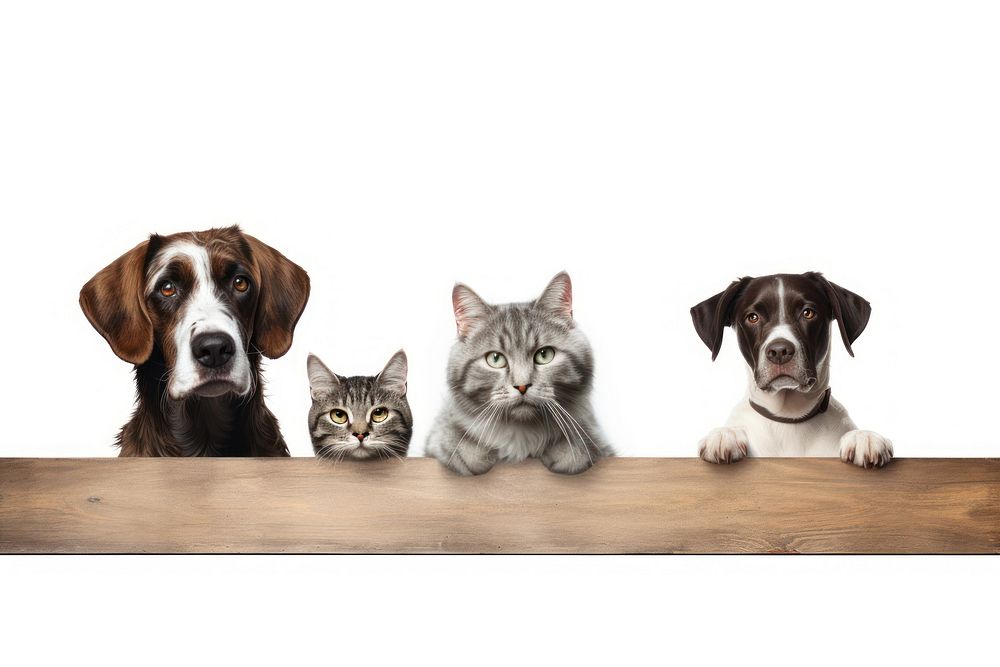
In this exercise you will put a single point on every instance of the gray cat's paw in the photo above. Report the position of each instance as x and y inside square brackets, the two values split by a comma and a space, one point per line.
[724, 445]
[468, 459]
[566, 459]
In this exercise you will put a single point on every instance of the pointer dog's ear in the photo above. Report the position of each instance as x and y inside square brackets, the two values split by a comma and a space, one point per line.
[849, 309]
[713, 315]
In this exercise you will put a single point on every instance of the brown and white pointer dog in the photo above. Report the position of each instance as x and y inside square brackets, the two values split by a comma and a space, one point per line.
[194, 312]
[782, 324]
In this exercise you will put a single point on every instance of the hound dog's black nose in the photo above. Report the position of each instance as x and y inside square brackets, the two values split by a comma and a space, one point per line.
[780, 351]
[213, 350]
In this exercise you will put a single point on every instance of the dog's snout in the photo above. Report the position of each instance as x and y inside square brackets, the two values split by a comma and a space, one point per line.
[780, 351]
[213, 350]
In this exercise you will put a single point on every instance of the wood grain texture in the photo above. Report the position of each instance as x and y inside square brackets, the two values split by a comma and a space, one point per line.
[623, 505]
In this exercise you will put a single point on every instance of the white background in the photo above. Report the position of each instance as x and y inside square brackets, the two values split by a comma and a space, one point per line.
[656, 151]
[392, 149]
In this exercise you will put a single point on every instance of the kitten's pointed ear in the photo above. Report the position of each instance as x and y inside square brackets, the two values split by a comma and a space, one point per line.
[557, 298]
[713, 315]
[470, 309]
[393, 376]
[321, 379]
[850, 310]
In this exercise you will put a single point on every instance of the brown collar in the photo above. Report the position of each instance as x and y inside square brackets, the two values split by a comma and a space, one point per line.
[820, 408]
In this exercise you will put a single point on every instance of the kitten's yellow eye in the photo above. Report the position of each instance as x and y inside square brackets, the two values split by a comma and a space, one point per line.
[379, 415]
[808, 313]
[241, 283]
[544, 356]
[168, 289]
[753, 318]
[496, 360]
[338, 416]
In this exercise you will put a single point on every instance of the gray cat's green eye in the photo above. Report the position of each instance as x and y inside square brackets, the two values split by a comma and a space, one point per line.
[338, 416]
[496, 360]
[379, 414]
[544, 356]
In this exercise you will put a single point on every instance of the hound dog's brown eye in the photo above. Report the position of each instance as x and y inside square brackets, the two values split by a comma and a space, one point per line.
[167, 289]
[808, 313]
[753, 318]
[241, 283]
[379, 414]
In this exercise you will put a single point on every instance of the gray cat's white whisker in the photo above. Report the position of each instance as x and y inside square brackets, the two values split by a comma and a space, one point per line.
[580, 431]
[561, 423]
[563, 428]
[484, 427]
[569, 432]
[584, 436]
[482, 417]
[502, 412]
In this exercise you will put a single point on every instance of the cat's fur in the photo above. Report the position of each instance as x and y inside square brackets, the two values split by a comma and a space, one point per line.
[360, 437]
[487, 417]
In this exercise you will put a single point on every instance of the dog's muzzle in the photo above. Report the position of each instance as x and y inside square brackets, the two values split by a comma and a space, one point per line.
[214, 364]
[214, 353]
[213, 350]
[781, 368]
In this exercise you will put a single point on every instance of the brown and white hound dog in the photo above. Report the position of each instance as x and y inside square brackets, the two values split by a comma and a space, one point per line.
[194, 312]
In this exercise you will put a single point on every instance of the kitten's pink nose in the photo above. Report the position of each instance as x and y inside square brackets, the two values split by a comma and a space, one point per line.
[361, 436]
[523, 388]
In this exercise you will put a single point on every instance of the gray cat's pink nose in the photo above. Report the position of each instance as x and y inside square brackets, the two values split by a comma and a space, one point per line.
[523, 388]
[360, 436]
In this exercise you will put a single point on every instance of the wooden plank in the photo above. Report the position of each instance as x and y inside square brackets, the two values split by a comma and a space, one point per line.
[623, 505]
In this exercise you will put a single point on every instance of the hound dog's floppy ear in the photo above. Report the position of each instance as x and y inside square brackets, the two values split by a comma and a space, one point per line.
[283, 292]
[850, 310]
[114, 302]
[712, 316]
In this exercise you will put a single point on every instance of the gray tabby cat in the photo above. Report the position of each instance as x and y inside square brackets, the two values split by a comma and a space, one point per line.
[359, 417]
[520, 377]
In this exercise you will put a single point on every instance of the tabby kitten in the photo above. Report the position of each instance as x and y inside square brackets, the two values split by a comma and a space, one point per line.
[359, 417]
[520, 376]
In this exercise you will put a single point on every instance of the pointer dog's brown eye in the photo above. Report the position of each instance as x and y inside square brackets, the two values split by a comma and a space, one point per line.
[167, 289]
[808, 313]
[753, 318]
[241, 284]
